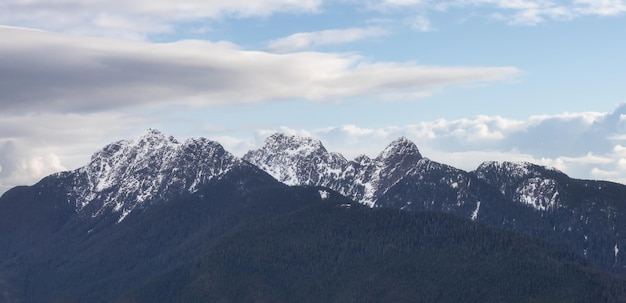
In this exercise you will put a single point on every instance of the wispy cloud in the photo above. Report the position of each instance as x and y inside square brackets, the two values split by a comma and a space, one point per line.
[135, 19]
[308, 40]
[140, 19]
[422, 24]
[518, 12]
[600, 7]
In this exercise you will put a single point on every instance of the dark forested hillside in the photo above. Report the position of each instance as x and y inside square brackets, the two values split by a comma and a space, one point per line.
[97, 259]
[335, 253]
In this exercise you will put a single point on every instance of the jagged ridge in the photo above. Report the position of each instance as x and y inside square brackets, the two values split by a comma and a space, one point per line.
[305, 161]
[127, 174]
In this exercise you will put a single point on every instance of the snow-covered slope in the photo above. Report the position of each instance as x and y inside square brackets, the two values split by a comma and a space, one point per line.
[297, 160]
[524, 182]
[130, 173]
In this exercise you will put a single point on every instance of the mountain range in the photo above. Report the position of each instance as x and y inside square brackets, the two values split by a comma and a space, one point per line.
[153, 219]
[587, 216]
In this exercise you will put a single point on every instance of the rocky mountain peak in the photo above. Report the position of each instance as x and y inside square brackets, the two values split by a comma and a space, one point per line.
[398, 158]
[296, 144]
[400, 147]
[296, 160]
[304, 161]
[524, 182]
[362, 160]
[129, 172]
[514, 170]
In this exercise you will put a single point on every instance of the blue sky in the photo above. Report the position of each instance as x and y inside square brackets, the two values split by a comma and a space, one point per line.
[466, 80]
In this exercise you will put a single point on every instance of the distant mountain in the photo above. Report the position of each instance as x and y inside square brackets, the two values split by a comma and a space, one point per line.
[153, 219]
[587, 216]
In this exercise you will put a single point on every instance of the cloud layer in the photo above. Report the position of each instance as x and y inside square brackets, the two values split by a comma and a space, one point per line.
[135, 19]
[78, 74]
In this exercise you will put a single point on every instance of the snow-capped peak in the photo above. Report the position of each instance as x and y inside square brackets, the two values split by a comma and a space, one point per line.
[304, 161]
[362, 160]
[128, 173]
[401, 146]
[527, 183]
[296, 160]
[294, 144]
[514, 169]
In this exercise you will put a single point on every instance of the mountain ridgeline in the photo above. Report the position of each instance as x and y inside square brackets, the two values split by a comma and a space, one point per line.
[151, 219]
[587, 216]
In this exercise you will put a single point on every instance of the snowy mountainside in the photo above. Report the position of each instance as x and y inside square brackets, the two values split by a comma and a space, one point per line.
[126, 174]
[297, 160]
[524, 182]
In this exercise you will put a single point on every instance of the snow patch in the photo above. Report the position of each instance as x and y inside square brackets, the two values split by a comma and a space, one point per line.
[324, 194]
[475, 212]
[124, 214]
[541, 194]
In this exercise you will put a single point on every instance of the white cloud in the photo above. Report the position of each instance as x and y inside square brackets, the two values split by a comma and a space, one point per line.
[601, 7]
[35, 145]
[619, 149]
[22, 166]
[521, 12]
[622, 163]
[135, 19]
[80, 74]
[140, 19]
[403, 2]
[308, 40]
[598, 173]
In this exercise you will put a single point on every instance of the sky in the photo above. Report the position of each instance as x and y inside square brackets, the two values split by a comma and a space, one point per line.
[466, 80]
